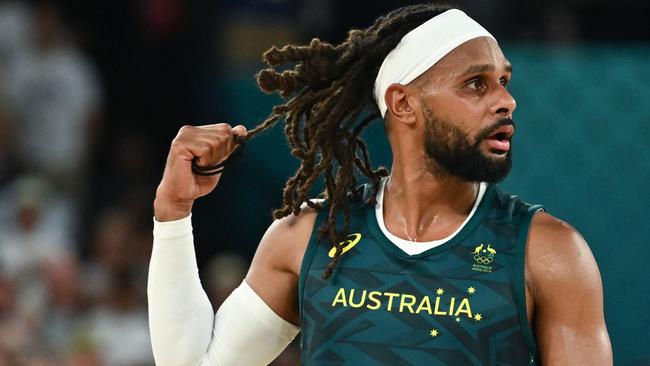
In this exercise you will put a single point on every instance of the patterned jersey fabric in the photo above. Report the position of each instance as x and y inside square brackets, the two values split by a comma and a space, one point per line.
[460, 303]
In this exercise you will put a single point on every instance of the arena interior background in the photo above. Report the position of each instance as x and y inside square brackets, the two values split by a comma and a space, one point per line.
[582, 148]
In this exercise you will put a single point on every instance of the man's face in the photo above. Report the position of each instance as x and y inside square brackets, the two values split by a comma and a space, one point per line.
[467, 112]
[461, 154]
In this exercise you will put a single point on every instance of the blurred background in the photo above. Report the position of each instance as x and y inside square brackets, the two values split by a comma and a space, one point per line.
[93, 92]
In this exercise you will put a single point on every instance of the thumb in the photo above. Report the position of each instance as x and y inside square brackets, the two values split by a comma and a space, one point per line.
[239, 130]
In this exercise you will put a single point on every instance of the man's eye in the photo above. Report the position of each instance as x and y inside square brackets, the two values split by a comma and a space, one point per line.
[476, 84]
[504, 81]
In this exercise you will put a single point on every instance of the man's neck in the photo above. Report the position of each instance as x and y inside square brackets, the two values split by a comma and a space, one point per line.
[421, 206]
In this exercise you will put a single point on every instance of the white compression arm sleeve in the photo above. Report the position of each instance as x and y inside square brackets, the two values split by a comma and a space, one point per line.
[185, 331]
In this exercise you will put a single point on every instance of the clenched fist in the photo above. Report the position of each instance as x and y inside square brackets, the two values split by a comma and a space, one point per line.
[179, 187]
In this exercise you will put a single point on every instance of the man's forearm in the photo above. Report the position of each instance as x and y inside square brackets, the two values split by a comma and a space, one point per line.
[180, 314]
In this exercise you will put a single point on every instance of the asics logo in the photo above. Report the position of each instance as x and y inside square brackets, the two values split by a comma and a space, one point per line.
[347, 244]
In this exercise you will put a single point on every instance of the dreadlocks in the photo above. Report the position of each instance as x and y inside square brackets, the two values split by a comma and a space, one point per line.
[331, 103]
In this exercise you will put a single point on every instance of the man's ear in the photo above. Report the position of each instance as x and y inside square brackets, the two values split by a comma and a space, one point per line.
[400, 104]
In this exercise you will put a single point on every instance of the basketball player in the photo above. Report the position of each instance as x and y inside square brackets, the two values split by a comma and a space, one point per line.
[428, 264]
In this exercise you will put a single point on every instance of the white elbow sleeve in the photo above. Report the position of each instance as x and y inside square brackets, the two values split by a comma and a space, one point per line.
[247, 331]
[185, 331]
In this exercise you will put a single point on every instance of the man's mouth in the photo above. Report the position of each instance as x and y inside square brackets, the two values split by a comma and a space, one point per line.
[499, 140]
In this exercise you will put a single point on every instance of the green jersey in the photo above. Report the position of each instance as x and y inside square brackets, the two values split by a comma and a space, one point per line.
[459, 303]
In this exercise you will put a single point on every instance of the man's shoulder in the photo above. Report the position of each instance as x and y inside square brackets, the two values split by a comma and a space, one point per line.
[562, 278]
[555, 248]
[285, 241]
[546, 233]
[293, 224]
[552, 233]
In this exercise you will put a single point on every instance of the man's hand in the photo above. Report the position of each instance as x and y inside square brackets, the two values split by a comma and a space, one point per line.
[179, 187]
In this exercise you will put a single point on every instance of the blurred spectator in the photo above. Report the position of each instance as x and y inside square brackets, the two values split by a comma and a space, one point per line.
[15, 29]
[7, 157]
[120, 326]
[116, 328]
[56, 309]
[56, 97]
[34, 236]
[35, 225]
[84, 354]
[111, 252]
[65, 308]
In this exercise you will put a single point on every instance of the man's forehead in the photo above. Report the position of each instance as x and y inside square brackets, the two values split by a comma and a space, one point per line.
[477, 52]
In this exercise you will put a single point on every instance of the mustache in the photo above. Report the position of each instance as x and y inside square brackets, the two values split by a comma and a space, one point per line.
[491, 129]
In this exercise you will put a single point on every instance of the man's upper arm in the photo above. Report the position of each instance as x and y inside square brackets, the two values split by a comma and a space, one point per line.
[563, 279]
[275, 269]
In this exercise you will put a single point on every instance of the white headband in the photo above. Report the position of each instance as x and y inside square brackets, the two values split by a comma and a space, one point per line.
[422, 47]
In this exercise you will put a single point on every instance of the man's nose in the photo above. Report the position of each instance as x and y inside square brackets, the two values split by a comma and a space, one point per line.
[504, 103]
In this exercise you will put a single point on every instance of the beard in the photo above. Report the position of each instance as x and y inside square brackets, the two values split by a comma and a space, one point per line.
[451, 149]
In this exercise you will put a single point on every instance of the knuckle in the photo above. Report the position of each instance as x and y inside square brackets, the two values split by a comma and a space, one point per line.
[221, 139]
[206, 148]
[177, 142]
[185, 129]
[224, 127]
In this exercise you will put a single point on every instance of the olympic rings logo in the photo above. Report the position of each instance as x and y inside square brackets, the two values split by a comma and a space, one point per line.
[483, 259]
